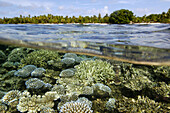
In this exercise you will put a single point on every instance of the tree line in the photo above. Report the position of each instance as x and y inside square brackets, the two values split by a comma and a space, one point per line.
[122, 16]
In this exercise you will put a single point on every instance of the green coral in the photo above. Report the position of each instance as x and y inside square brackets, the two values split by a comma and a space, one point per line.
[161, 90]
[17, 54]
[162, 72]
[140, 105]
[40, 58]
[91, 72]
[2, 56]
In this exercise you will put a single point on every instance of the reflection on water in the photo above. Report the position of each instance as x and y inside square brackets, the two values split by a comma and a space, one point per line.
[142, 44]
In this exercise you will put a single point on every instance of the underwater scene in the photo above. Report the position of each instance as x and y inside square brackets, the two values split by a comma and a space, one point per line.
[91, 68]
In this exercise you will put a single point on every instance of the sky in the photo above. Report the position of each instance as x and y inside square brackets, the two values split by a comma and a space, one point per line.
[14, 8]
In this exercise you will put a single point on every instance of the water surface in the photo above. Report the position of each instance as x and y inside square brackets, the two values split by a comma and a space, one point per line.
[137, 43]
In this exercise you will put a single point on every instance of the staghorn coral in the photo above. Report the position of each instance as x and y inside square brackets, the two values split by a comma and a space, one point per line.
[75, 107]
[141, 104]
[90, 72]
[40, 58]
[161, 91]
[35, 103]
[11, 98]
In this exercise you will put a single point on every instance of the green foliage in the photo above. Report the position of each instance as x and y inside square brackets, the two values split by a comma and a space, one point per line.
[122, 16]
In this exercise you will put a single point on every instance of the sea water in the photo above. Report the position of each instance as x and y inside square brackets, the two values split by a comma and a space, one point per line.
[97, 67]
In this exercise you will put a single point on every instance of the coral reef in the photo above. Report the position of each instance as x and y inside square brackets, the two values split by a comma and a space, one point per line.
[70, 55]
[142, 104]
[35, 103]
[90, 72]
[59, 89]
[74, 56]
[38, 72]
[101, 90]
[34, 83]
[66, 73]
[85, 100]
[47, 110]
[40, 58]
[3, 107]
[62, 84]
[17, 54]
[25, 71]
[110, 105]
[75, 107]
[87, 90]
[137, 83]
[68, 61]
[160, 92]
[2, 56]
[11, 65]
[11, 98]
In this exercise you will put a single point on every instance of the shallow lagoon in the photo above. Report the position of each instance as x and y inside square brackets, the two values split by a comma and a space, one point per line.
[116, 68]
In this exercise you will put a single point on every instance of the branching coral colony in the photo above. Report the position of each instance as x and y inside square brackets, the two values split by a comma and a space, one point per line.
[44, 81]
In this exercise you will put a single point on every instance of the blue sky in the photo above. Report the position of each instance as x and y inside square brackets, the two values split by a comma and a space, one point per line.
[13, 8]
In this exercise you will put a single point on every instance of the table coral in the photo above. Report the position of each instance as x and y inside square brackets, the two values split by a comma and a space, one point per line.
[35, 103]
[75, 107]
[11, 97]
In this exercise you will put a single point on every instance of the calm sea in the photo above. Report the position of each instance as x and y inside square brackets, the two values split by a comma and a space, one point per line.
[137, 43]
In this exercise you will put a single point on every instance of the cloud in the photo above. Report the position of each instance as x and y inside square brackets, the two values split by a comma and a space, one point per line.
[166, 0]
[61, 7]
[5, 4]
[123, 2]
[95, 11]
[141, 11]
